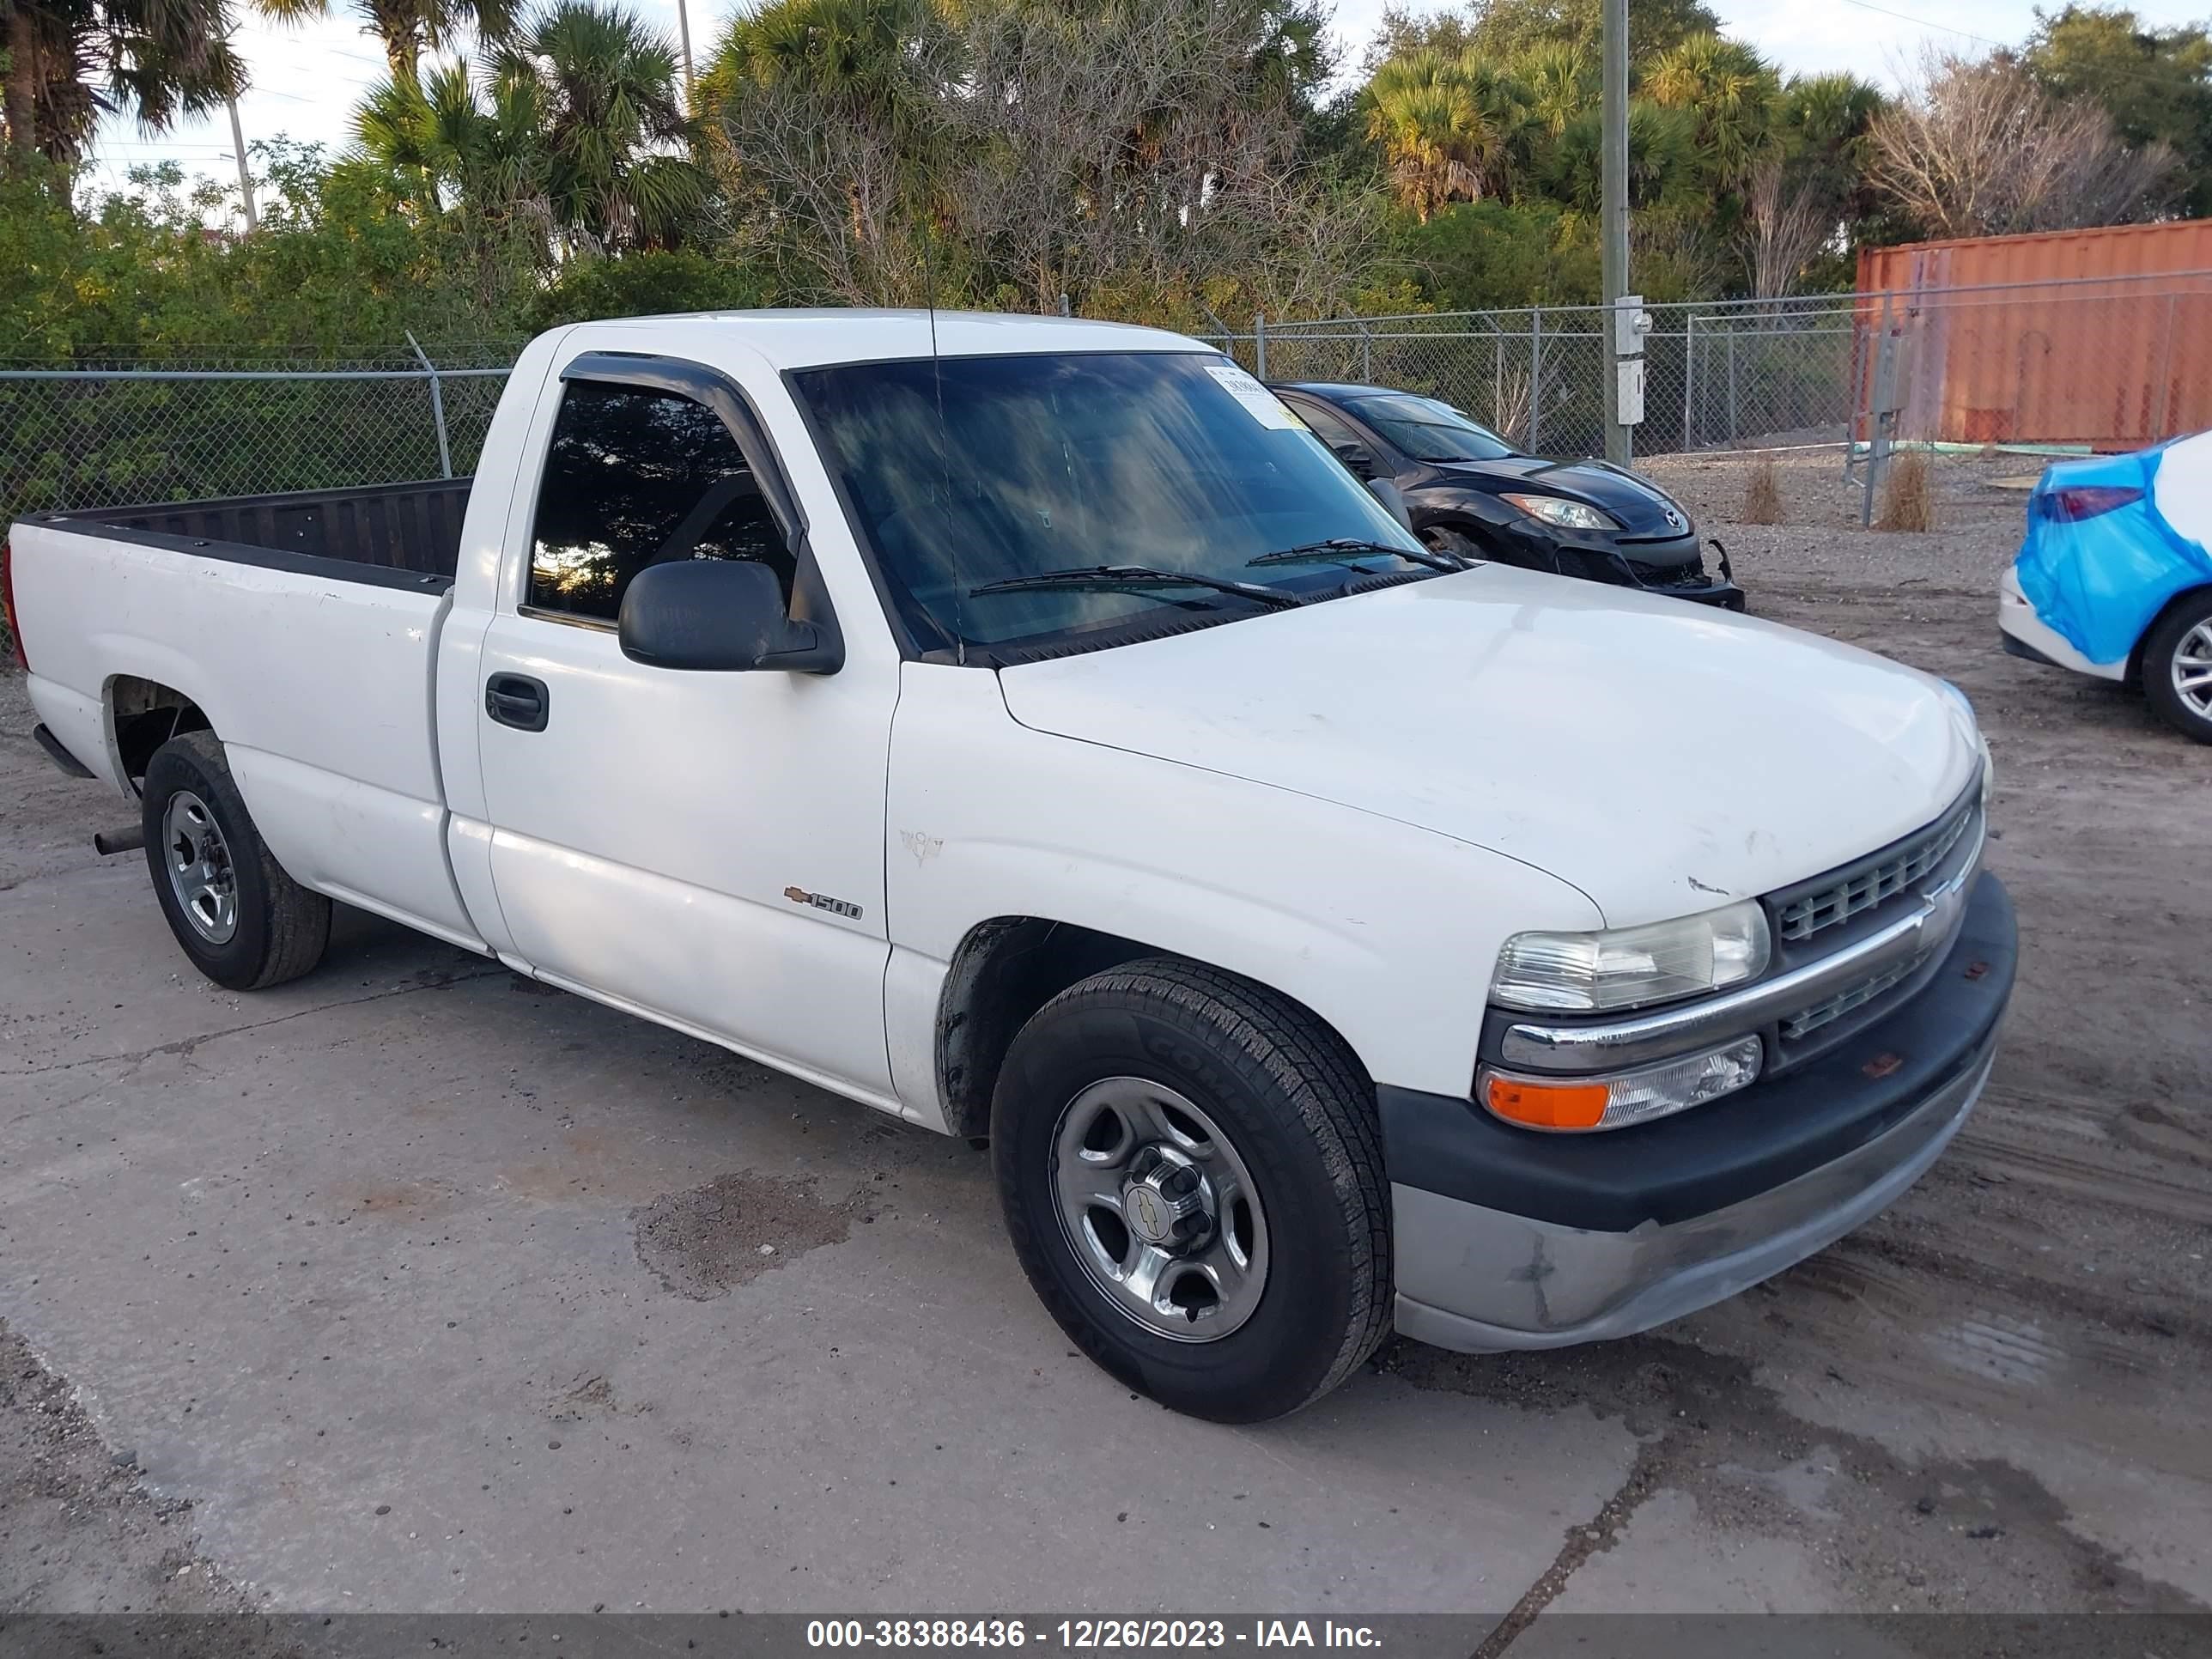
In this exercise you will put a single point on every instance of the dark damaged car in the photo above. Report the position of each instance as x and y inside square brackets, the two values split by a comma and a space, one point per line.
[1472, 493]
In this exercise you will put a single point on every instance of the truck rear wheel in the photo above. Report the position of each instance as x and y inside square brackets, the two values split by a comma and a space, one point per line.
[2177, 668]
[1191, 1172]
[243, 922]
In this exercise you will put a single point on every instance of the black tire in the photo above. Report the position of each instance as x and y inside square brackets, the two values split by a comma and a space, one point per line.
[2160, 648]
[280, 927]
[1300, 1114]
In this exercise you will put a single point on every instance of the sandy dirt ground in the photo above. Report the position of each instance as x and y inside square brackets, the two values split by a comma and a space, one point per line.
[593, 1315]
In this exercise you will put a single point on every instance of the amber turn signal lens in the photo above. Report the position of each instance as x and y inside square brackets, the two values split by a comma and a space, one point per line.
[1549, 1105]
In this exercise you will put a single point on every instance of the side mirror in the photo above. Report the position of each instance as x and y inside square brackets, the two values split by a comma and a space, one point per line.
[1358, 457]
[719, 615]
[1382, 490]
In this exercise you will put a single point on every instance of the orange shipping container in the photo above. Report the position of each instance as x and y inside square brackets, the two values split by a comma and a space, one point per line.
[2099, 337]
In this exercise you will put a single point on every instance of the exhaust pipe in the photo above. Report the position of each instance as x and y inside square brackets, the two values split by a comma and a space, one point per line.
[108, 842]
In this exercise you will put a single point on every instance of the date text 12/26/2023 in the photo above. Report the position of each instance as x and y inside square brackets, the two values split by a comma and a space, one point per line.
[1086, 1635]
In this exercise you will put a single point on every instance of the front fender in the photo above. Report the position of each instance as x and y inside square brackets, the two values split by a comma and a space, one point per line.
[1385, 931]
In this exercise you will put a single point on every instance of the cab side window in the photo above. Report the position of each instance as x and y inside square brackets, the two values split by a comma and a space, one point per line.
[1327, 425]
[635, 477]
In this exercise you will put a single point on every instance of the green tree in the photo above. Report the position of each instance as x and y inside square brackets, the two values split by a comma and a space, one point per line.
[2155, 83]
[576, 133]
[1561, 79]
[408, 28]
[70, 62]
[1663, 160]
[613, 136]
[337, 266]
[652, 282]
[1501, 29]
[1493, 255]
[1732, 93]
[1507, 28]
[1449, 128]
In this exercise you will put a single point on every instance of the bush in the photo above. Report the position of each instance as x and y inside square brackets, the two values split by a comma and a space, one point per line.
[649, 284]
[1493, 255]
[1762, 493]
[1908, 495]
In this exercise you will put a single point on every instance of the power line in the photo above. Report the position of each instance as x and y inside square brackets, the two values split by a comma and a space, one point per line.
[2137, 75]
[1923, 23]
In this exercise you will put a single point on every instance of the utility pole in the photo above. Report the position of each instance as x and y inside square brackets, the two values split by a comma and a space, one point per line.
[1613, 210]
[245, 176]
[684, 33]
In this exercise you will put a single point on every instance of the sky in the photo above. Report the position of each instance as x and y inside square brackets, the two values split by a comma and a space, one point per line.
[306, 79]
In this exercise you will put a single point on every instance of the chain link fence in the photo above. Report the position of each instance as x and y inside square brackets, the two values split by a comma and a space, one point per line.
[1721, 375]
[189, 424]
[2097, 363]
[2052, 366]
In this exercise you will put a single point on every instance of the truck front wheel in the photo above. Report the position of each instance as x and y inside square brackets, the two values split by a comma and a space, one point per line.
[1191, 1172]
[243, 922]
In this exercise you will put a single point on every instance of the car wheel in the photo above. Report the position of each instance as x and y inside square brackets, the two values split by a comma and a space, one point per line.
[1191, 1168]
[243, 922]
[2177, 668]
[1443, 538]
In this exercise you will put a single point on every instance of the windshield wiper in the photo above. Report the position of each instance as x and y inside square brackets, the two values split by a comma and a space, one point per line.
[1347, 547]
[1136, 576]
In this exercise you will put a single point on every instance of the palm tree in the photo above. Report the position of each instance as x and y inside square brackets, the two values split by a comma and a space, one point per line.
[445, 149]
[1452, 127]
[70, 62]
[575, 131]
[1661, 159]
[1560, 83]
[408, 29]
[1734, 92]
[1824, 121]
[844, 95]
[852, 49]
[616, 137]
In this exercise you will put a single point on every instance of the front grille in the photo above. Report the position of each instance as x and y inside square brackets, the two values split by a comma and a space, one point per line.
[1857, 888]
[1692, 574]
[1803, 1023]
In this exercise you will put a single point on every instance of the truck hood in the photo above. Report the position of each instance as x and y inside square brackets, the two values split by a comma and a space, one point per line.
[1662, 758]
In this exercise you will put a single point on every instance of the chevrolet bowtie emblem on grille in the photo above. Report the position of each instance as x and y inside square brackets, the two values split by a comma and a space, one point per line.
[836, 906]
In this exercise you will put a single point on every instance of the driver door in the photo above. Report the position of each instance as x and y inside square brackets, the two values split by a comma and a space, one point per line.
[704, 848]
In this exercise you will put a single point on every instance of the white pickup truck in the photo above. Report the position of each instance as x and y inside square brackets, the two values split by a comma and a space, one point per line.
[1025, 727]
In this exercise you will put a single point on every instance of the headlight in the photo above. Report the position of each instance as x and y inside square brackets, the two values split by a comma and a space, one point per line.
[1628, 967]
[1559, 510]
[1615, 1101]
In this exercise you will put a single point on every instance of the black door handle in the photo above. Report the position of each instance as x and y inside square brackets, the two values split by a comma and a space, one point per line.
[518, 700]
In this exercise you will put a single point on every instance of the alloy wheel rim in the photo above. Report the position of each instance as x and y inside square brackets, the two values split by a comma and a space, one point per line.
[2192, 669]
[1160, 1209]
[200, 871]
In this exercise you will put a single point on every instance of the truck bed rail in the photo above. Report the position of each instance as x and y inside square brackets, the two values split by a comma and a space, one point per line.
[411, 530]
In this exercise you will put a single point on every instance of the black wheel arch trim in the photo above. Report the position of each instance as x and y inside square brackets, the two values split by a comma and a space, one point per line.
[58, 753]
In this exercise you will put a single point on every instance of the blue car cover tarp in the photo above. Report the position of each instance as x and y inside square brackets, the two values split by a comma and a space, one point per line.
[2099, 581]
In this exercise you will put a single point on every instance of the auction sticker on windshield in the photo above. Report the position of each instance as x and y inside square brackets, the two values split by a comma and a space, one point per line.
[1263, 405]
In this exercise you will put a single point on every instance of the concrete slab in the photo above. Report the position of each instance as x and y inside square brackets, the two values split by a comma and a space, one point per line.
[356, 1267]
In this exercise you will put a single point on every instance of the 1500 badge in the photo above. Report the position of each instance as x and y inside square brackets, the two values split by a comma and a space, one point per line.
[836, 906]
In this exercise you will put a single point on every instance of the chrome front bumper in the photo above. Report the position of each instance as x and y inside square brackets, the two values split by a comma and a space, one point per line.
[1481, 1280]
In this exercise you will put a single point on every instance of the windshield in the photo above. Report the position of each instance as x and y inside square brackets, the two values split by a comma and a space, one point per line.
[1428, 430]
[1176, 462]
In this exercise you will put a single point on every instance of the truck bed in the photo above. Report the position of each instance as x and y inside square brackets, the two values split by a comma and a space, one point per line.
[395, 534]
[304, 628]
